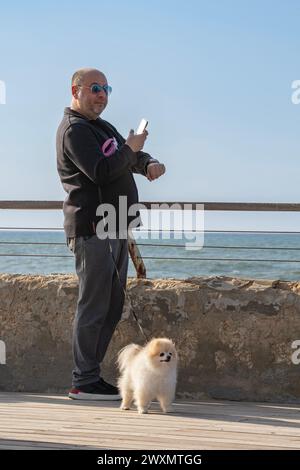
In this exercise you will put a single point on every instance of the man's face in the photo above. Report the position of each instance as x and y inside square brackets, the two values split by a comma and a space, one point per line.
[88, 103]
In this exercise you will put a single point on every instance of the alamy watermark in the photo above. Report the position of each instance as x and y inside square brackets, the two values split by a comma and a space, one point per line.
[2, 92]
[295, 98]
[2, 353]
[296, 354]
[167, 221]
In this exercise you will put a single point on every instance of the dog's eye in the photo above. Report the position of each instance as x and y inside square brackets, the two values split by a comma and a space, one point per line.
[170, 354]
[161, 354]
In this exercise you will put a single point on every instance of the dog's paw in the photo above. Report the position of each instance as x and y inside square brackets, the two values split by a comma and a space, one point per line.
[123, 407]
[168, 409]
[142, 411]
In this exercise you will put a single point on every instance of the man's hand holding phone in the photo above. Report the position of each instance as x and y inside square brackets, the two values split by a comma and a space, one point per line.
[136, 141]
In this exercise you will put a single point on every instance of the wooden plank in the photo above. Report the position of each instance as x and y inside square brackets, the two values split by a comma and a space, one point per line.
[88, 438]
[53, 421]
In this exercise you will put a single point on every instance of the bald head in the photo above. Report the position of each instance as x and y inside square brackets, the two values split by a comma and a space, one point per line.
[84, 101]
[80, 75]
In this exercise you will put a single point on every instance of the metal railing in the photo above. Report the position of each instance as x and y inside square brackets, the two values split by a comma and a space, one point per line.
[133, 246]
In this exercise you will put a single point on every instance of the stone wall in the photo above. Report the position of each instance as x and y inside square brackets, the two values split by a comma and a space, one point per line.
[234, 336]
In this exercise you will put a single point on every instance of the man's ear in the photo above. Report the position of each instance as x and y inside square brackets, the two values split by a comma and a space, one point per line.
[75, 91]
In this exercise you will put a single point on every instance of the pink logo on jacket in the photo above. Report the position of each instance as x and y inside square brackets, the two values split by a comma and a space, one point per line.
[109, 147]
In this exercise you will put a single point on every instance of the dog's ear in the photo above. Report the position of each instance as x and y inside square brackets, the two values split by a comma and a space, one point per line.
[172, 342]
[153, 347]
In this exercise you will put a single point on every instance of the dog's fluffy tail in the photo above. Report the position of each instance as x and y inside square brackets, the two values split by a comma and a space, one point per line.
[127, 354]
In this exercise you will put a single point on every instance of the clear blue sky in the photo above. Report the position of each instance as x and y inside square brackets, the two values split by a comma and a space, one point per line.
[212, 77]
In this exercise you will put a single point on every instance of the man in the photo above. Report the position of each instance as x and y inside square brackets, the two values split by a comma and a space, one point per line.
[95, 164]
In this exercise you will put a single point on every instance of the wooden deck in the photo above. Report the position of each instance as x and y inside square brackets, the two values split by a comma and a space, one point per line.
[31, 421]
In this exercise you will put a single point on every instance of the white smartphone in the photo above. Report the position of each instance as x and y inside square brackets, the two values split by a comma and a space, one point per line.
[142, 126]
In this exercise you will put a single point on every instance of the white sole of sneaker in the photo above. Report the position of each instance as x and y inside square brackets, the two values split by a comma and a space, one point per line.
[93, 396]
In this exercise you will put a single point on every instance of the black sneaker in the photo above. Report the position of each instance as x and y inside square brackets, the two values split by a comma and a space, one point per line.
[109, 386]
[96, 391]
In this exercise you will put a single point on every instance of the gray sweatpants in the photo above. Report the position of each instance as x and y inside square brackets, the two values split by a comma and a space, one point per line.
[100, 302]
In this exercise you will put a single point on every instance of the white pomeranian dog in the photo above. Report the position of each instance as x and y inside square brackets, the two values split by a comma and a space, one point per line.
[148, 373]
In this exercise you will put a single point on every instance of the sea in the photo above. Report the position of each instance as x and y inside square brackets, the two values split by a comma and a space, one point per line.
[244, 255]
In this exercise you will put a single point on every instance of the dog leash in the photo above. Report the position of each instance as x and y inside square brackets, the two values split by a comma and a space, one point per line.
[125, 293]
[118, 274]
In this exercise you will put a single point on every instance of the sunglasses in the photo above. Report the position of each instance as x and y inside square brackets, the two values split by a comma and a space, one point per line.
[96, 88]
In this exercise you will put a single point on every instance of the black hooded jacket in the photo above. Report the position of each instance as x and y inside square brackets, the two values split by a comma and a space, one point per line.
[88, 176]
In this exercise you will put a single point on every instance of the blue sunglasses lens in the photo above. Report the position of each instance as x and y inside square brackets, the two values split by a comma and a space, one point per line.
[97, 88]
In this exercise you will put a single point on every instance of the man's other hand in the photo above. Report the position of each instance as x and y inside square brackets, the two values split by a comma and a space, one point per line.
[155, 170]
